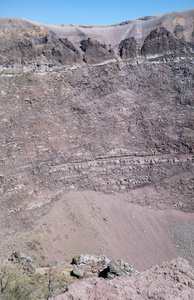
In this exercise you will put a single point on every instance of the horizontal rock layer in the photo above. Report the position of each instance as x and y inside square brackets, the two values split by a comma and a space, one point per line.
[109, 124]
[111, 128]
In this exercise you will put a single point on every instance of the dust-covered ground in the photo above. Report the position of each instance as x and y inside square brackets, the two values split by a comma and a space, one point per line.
[92, 222]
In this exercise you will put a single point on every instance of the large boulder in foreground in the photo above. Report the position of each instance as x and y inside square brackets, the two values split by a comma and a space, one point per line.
[167, 281]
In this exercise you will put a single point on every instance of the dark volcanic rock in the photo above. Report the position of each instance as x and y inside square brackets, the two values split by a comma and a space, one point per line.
[95, 52]
[117, 268]
[179, 31]
[60, 50]
[161, 40]
[16, 257]
[128, 48]
[39, 49]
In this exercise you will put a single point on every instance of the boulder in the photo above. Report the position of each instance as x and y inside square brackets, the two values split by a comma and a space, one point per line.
[79, 271]
[29, 267]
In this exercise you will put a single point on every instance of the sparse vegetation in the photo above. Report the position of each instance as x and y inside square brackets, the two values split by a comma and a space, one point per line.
[16, 285]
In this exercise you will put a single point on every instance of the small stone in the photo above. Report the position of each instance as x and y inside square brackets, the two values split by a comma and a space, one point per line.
[16, 257]
[31, 268]
[28, 259]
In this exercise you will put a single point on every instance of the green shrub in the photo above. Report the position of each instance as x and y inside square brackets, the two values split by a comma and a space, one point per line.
[17, 286]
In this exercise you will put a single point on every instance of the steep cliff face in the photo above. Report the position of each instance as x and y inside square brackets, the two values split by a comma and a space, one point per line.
[128, 48]
[111, 116]
[44, 49]
[95, 52]
[161, 41]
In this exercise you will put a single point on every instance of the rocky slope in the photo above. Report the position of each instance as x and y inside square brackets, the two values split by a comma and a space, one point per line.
[101, 108]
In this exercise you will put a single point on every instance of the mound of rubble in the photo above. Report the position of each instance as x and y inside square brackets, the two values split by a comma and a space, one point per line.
[88, 265]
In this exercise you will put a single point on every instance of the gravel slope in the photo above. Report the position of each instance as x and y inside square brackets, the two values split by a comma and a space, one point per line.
[91, 222]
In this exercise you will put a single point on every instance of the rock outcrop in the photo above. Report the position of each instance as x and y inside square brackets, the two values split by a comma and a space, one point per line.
[168, 281]
[26, 43]
[161, 41]
[88, 265]
[95, 52]
[40, 49]
[128, 48]
[109, 129]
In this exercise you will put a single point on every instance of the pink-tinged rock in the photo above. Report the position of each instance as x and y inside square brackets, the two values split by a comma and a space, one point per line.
[167, 281]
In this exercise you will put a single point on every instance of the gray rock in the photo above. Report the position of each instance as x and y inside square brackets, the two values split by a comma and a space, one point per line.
[59, 263]
[128, 48]
[79, 271]
[99, 263]
[16, 257]
[94, 259]
[114, 269]
[95, 52]
[161, 40]
[117, 268]
[30, 267]
[126, 268]
[26, 262]
[111, 276]
[28, 259]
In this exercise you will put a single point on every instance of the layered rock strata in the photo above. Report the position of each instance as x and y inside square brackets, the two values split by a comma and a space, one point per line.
[111, 112]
